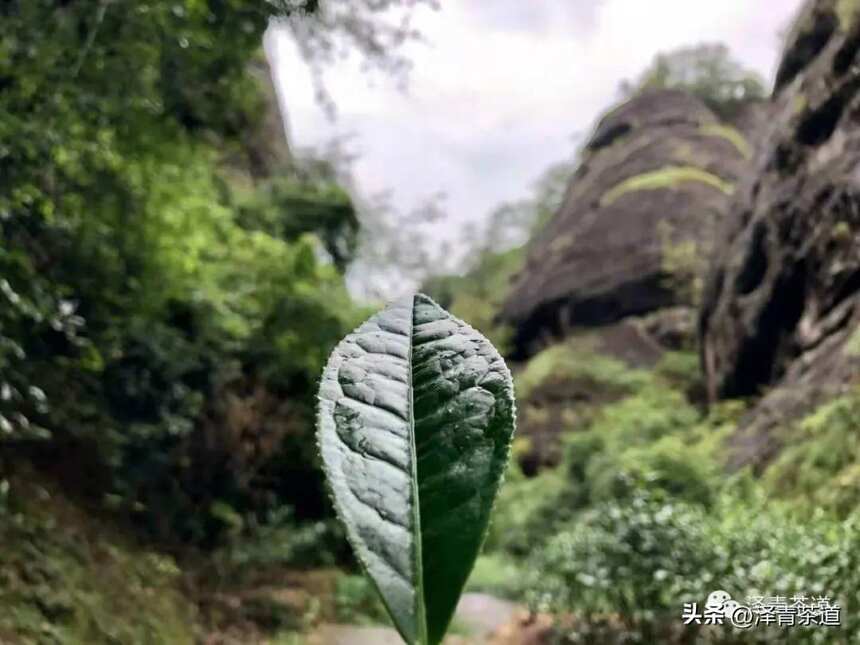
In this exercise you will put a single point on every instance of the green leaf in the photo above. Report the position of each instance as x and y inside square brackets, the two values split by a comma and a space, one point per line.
[416, 416]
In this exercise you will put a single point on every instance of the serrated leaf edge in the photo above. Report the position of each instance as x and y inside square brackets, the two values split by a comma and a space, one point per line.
[330, 491]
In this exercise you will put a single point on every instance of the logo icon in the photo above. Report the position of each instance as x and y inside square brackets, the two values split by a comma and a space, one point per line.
[721, 609]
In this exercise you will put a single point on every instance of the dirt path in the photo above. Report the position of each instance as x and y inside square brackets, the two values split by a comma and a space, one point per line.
[478, 615]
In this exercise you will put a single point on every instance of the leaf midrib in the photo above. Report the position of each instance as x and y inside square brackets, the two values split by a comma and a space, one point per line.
[420, 606]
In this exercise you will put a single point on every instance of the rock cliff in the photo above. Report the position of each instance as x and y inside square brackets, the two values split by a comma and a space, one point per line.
[639, 215]
[780, 306]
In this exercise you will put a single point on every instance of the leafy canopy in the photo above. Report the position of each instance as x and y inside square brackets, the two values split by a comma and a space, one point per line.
[166, 301]
[707, 71]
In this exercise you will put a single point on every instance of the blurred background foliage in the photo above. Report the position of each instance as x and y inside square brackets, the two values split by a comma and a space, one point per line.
[170, 286]
[707, 71]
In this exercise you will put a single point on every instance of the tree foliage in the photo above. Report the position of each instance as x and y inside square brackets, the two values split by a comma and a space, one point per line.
[164, 308]
[707, 71]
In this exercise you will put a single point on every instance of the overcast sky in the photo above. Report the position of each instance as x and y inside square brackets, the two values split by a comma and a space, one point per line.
[502, 88]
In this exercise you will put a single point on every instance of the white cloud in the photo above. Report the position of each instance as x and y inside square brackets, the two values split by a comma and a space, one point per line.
[499, 89]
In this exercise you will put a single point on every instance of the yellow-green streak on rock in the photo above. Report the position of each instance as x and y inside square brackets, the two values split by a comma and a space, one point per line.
[846, 11]
[666, 177]
[730, 134]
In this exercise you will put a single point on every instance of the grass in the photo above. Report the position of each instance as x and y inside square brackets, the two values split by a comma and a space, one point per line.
[70, 576]
[665, 177]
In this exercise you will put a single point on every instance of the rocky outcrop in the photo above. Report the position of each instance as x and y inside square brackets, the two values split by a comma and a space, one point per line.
[266, 145]
[780, 305]
[263, 149]
[653, 184]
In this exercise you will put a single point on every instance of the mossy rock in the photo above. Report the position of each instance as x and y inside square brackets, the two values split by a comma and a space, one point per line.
[847, 12]
[780, 304]
[660, 158]
[730, 134]
[667, 177]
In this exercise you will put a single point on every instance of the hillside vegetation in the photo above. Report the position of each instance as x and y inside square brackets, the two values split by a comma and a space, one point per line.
[678, 304]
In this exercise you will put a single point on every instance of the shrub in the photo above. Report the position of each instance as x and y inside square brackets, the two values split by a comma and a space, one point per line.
[357, 601]
[819, 465]
[680, 369]
[575, 360]
[623, 571]
[651, 440]
[68, 578]
[624, 567]
[498, 575]
[651, 413]
[281, 542]
[526, 511]
[668, 465]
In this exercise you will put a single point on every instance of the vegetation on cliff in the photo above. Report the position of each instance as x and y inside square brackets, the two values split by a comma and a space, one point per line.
[172, 279]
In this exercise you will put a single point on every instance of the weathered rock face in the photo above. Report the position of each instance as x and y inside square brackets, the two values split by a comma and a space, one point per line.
[264, 148]
[639, 214]
[781, 299]
[266, 144]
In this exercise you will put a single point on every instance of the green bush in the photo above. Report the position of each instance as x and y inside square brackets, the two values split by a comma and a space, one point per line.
[650, 440]
[525, 511]
[680, 369]
[641, 517]
[623, 570]
[652, 413]
[357, 602]
[668, 465]
[624, 566]
[153, 298]
[577, 361]
[498, 575]
[279, 542]
[69, 578]
[819, 465]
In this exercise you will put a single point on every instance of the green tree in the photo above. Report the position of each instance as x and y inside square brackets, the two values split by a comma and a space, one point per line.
[707, 71]
[164, 309]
